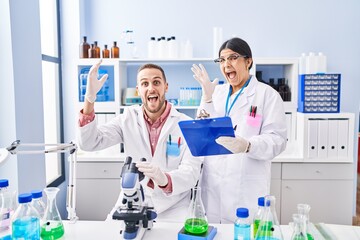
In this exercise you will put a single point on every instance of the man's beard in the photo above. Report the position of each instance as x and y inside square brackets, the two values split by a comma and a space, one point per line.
[161, 104]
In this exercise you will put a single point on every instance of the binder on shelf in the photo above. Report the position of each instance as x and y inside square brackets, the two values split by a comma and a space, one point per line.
[200, 135]
[343, 131]
[323, 138]
[333, 138]
[312, 138]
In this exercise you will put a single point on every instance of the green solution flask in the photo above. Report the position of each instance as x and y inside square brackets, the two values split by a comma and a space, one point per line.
[52, 227]
[299, 232]
[196, 222]
[304, 209]
[269, 227]
[258, 215]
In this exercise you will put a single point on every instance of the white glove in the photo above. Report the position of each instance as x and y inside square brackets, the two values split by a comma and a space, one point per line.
[94, 85]
[202, 77]
[234, 144]
[154, 172]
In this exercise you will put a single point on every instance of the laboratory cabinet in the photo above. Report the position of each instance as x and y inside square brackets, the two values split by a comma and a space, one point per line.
[326, 187]
[97, 187]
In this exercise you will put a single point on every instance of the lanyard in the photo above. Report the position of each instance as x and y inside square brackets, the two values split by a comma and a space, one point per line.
[227, 111]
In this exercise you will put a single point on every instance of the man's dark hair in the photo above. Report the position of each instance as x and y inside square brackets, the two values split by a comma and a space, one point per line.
[151, 65]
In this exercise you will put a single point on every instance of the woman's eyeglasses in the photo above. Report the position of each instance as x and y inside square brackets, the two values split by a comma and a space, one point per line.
[231, 58]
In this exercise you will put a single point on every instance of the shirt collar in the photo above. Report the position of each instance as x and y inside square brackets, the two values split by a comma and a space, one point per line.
[163, 116]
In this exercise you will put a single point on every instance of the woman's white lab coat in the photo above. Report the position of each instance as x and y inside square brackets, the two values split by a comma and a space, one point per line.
[237, 180]
[129, 128]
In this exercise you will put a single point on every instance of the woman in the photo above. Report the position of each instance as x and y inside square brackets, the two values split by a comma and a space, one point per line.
[257, 113]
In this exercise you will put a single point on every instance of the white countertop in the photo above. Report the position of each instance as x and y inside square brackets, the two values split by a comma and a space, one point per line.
[95, 230]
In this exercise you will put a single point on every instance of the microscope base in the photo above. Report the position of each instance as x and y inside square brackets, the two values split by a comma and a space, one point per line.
[209, 235]
[139, 235]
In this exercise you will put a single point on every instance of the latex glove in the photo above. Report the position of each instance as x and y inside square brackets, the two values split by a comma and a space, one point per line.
[94, 85]
[154, 172]
[202, 77]
[234, 144]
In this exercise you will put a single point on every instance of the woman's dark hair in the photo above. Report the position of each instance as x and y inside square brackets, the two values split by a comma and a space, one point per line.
[151, 65]
[237, 45]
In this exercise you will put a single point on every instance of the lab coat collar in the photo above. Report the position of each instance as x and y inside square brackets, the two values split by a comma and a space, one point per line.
[248, 92]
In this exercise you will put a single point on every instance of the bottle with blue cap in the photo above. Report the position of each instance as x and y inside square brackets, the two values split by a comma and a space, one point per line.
[37, 202]
[258, 215]
[242, 224]
[26, 223]
[7, 206]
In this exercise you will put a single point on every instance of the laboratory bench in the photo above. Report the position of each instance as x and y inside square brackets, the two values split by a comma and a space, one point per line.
[168, 230]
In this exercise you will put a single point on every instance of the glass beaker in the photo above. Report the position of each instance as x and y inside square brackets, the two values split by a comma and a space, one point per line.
[196, 222]
[52, 226]
[299, 232]
[304, 209]
[269, 227]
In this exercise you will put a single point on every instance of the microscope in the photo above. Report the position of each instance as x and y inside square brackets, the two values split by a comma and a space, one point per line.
[135, 213]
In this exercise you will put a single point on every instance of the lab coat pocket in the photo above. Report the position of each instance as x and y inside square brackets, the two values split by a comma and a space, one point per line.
[254, 121]
[252, 126]
[173, 151]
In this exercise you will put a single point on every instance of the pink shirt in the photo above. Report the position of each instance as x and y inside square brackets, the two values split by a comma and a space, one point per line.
[154, 129]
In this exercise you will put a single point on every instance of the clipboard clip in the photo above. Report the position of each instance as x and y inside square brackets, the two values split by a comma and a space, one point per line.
[202, 114]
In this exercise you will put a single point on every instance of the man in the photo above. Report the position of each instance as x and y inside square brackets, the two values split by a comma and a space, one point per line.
[148, 131]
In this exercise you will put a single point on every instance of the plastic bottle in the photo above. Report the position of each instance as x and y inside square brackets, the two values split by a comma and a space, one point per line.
[320, 63]
[162, 47]
[152, 48]
[258, 215]
[311, 63]
[84, 48]
[115, 51]
[37, 202]
[97, 49]
[26, 223]
[173, 48]
[105, 52]
[302, 64]
[188, 50]
[217, 41]
[6, 209]
[242, 225]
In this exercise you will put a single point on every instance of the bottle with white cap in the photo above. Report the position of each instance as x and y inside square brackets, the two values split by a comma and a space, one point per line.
[302, 64]
[311, 63]
[321, 63]
[152, 48]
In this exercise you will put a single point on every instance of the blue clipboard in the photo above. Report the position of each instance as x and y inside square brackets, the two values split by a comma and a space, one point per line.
[200, 135]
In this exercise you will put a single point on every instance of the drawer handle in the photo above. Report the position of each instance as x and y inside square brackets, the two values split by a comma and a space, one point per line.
[318, 171]
[105, 171]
